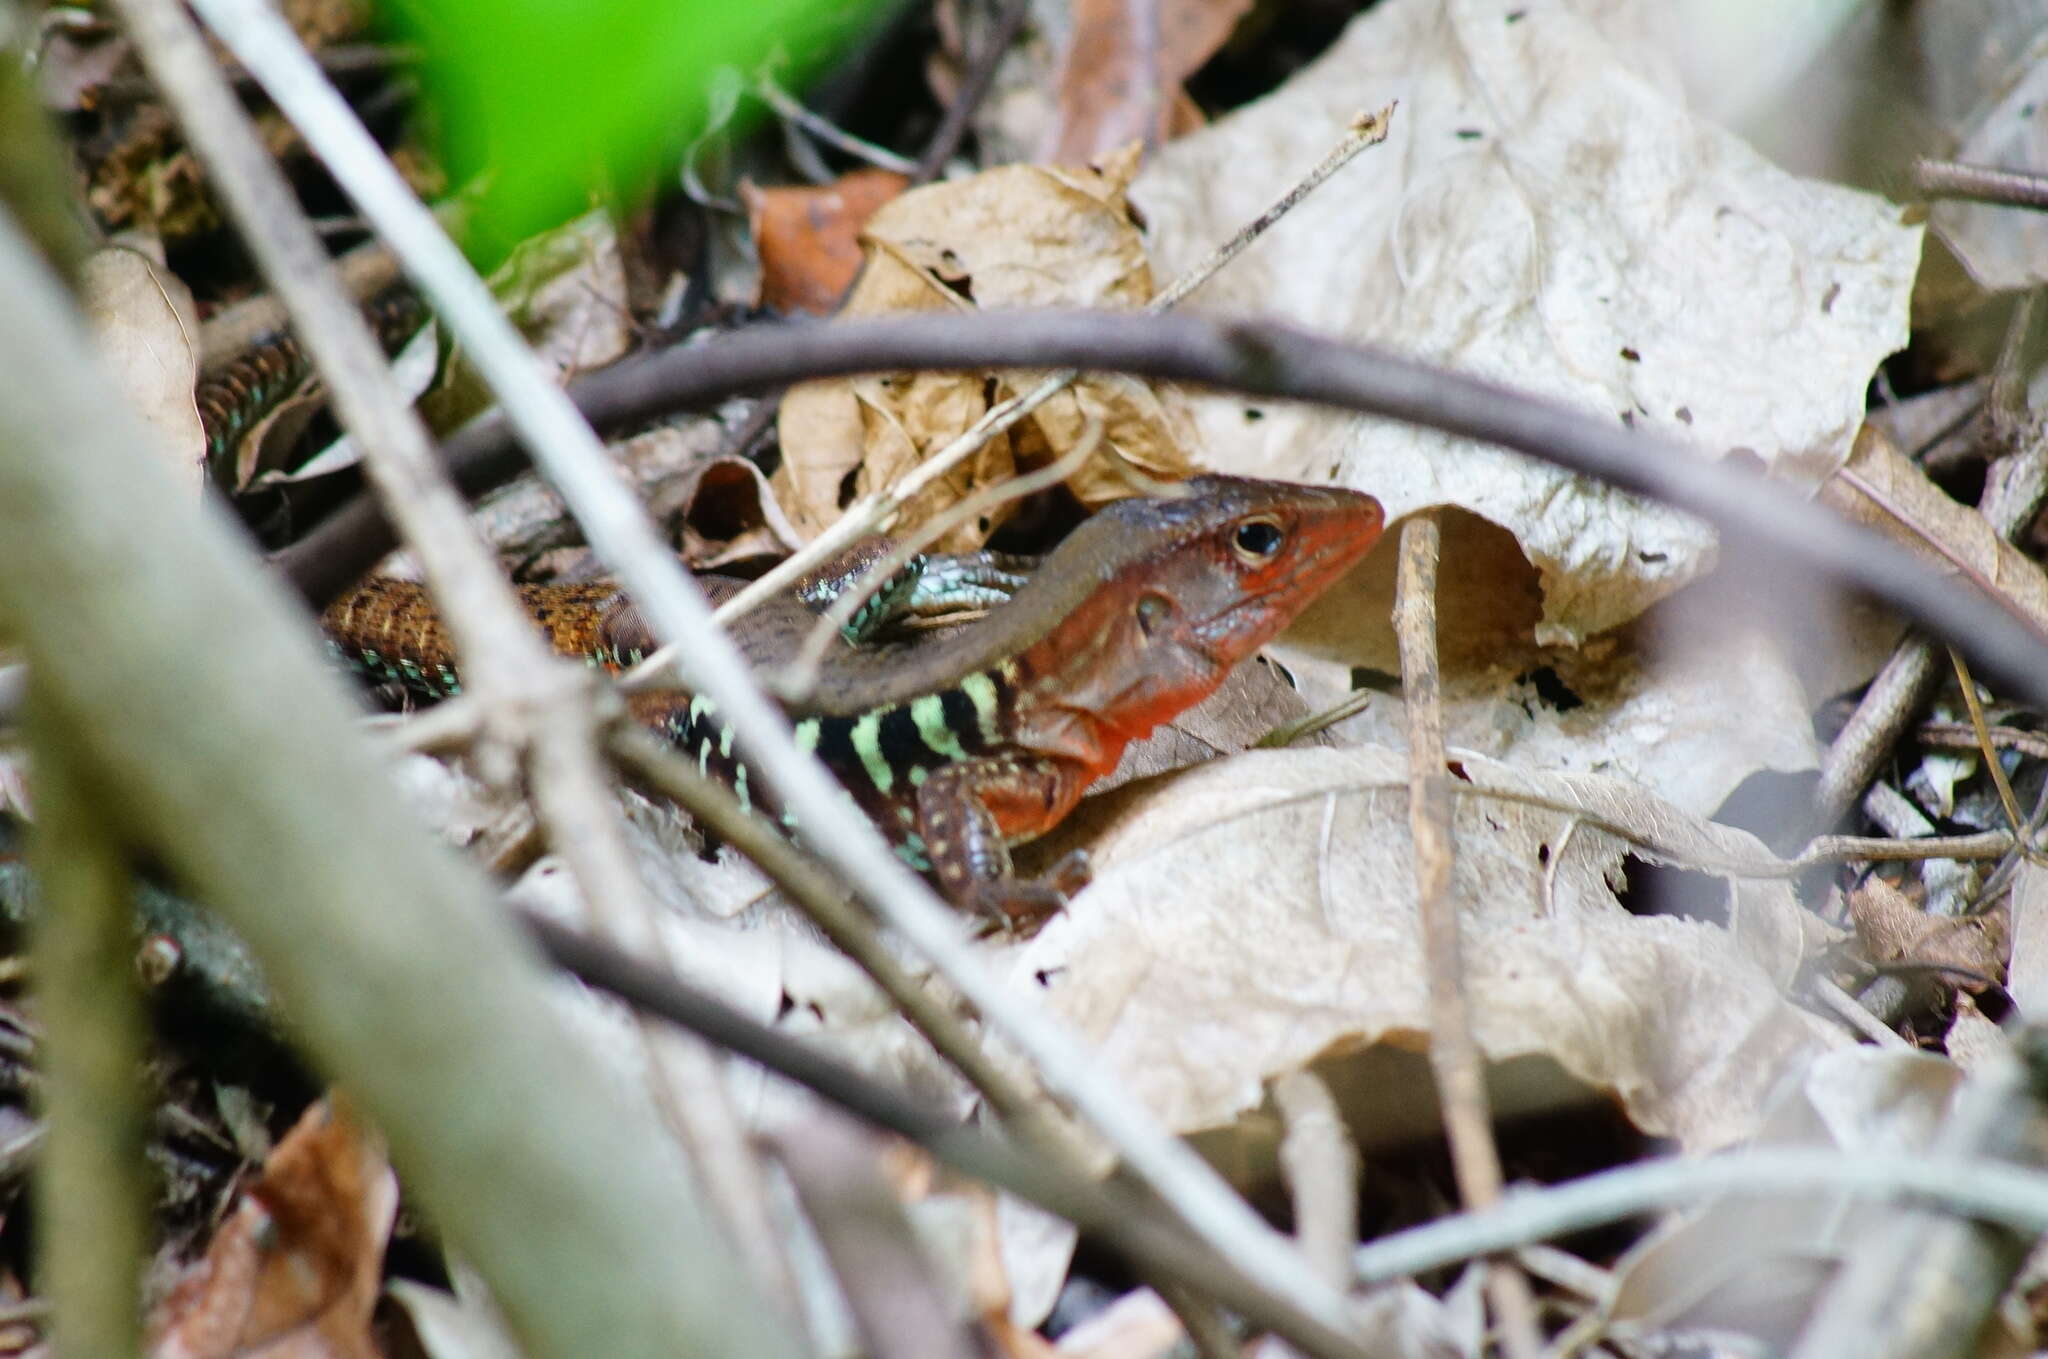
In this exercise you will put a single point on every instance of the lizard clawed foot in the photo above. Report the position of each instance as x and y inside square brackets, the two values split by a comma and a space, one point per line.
[1015, 904]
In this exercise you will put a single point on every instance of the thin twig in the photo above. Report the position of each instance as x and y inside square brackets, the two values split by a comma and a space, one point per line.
[2013, 817]
[655, 765]
[1454, 1057]
[974, 87]
[803, 676]
[351, 906]
[617, 527]
[787, 107]
[1979, 183]
[1104, 1209]
[1279, 361]
[1989, 1191]
[865, 515]
[535, 704]
[1852, 1012]
[2011, 491]
[1962, 736]
[1320, 1163]
[1848, 849]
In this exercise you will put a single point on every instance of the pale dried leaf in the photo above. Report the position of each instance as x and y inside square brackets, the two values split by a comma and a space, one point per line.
[1688, 701]
[1252, 915]
[448, 1327]
[1545, 216]
[1752, 1266]
[1973, 1041]
[2003, 250]
[1137, 1325]
[2027, 974]
[566, 291]
[142, 317]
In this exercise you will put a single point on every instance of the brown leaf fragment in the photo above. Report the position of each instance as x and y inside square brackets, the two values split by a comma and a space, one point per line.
[1108, 96]
[1894, 930]
[1882, 488]
[809, 237]
[1015, 236]
[294, 1271]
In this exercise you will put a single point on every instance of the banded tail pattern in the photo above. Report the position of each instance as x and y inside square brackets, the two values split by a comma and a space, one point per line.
[883, 756]
[389, 632]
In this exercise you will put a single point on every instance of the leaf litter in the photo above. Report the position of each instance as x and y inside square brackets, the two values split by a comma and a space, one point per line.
[1548, 214]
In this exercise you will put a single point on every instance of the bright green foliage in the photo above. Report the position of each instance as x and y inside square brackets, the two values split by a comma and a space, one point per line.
[542, 101]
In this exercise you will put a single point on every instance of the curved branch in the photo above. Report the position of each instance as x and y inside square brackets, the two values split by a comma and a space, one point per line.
[1275, 361]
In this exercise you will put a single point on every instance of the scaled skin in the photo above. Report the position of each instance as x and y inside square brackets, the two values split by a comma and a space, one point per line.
[1140, 614]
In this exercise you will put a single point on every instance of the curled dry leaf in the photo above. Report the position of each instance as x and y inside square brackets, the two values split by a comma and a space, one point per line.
[294, 1270]
[1882, 488]
[1549, 216]
[1017, 236]
[143, 319]
[808, 236]
[1256, 914]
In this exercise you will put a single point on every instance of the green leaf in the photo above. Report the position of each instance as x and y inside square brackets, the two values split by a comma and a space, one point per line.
[542, 102]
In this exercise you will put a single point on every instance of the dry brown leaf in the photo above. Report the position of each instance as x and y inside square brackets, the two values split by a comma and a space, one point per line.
[1254, 914]
[1885, 490]
[293, 1273]
[1894, 930]
[1107, 97]
[1017, 236]
[143, 319]
[808, 237]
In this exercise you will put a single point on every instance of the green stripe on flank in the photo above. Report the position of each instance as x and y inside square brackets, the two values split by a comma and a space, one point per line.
[980, 689]
[701, 707]
[912, 851]
[725, 741]
[867, 743]
[739, 788]
[929, 712]
[807, 735]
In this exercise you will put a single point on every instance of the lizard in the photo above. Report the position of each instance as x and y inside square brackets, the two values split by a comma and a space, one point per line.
[962, 746]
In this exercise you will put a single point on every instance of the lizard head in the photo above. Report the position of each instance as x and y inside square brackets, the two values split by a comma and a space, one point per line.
[1198, 583]
[1233, 562]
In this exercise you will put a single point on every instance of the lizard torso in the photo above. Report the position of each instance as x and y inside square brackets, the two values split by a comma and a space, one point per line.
[987, 736]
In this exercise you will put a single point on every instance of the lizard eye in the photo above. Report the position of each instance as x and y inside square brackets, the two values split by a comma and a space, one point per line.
[1257, 540]
[1154, 610]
